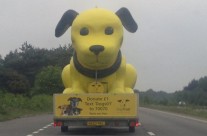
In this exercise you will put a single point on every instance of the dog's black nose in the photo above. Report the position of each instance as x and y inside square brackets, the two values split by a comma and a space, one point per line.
[96, 49]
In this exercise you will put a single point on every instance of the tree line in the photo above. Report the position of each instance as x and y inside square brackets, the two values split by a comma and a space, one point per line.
[30, 70]
[195, 93]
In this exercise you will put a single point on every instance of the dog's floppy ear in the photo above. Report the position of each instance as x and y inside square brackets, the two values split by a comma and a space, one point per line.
[127, 20]
[65, 22]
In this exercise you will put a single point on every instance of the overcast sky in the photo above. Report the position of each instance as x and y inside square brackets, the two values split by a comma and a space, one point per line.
[168, 50]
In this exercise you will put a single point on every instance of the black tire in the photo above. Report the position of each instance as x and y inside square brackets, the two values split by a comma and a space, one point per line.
[131, 129]
[64, 128]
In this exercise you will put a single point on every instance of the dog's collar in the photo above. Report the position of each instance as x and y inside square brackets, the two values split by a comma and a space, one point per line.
[97, 73]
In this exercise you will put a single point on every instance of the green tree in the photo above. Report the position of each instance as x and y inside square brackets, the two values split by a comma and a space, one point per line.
[13, 60]
[146, 100]
[33, 59]
[1, 74]
[13, 82]
[164, 101]
[1, 62]
[19, 68]
[28, 61]
[202, 83]
[195, 93]
[192, 85]
[60, 56]
[48, 81]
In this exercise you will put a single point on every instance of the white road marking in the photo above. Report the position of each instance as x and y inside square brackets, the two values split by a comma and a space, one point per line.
[35, 132]
[41, 129]
[151, 134]
[49, 125]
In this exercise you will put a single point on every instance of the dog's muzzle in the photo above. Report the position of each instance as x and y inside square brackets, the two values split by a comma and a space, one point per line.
[96, 49]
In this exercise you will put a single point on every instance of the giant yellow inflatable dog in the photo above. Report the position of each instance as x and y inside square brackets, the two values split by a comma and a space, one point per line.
[97, 65]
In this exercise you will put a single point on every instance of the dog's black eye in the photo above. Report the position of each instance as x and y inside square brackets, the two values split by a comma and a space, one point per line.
[84, 31]
[109, 30]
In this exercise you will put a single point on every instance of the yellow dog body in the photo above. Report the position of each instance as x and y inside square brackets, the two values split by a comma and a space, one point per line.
[97, 65]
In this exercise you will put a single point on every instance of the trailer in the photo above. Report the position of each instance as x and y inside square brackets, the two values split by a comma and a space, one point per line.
[96, 110]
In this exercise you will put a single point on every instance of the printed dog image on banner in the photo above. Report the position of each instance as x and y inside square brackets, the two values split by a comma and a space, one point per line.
[71, 108]
[97, 65]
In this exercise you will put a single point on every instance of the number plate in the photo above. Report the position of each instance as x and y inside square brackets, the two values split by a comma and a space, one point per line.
[96, 123]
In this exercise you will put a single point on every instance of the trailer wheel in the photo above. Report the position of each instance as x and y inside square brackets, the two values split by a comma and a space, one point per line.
[64, 128]
[131, 129]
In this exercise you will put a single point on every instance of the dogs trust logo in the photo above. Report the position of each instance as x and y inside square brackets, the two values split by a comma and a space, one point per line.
[72, 108]
[123, 105]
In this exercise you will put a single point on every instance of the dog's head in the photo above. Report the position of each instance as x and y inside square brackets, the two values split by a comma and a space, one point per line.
[96, 34]
[64, 109]
[74, 101]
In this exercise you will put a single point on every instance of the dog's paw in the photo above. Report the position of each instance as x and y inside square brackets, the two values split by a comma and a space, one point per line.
[117, 91]
[129, 90]
[72, 91]
[67, 91]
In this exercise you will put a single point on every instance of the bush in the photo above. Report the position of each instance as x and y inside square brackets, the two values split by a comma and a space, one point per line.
[21, 105]
[41, 102]
[13, 82]
[48, 81]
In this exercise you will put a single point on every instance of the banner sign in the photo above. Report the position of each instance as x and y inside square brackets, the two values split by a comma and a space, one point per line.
[95, 105]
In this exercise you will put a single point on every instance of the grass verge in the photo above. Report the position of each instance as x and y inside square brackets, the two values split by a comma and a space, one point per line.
[193, 111]
[14, 106]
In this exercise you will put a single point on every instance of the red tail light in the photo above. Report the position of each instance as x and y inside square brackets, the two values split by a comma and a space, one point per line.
[58, 124]
[134, 123]
[137, 124]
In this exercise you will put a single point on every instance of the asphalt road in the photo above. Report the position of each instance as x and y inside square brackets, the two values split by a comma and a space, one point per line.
[153, 123]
